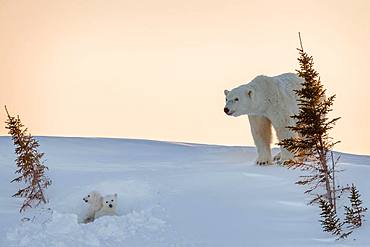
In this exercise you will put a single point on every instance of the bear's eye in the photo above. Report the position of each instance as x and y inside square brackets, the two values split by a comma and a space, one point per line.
[106, 202]
[112, 200]
[236, 99]
[88, 195]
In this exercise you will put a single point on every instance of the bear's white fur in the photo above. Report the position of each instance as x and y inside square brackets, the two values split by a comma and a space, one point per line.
[109, 206]
[95, 203]
[267, 101]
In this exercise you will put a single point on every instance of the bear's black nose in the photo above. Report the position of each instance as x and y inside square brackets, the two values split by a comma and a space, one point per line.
[226, 110]
[110, 205]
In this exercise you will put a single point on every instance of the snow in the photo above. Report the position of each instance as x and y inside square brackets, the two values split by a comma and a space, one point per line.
[170, 194]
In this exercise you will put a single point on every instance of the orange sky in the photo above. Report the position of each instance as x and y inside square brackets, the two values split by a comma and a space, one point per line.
[157, 69]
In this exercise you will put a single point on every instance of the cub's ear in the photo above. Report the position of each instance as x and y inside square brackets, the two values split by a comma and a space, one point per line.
[226, 92]
[248, 92]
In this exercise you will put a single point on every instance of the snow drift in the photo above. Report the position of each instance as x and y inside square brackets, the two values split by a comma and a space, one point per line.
[171, 194]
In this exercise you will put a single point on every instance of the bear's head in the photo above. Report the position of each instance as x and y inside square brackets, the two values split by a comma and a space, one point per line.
[241, 101]
[94, 199]
[110, 202]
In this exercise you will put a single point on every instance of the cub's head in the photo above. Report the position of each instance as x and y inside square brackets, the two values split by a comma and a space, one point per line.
[110, 202]
[240, 101]
[93, 198]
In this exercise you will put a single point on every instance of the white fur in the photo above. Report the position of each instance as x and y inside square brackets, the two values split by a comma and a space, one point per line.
[95, 203]
[109, 206]
[267, 101]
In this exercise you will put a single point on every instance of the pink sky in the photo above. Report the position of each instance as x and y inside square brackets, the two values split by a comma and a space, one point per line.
[157, 69]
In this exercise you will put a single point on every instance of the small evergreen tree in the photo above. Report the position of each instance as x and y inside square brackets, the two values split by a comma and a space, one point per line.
[29, 164]
[312, 149]
[312, 128]
[354, 214]
[330, 221]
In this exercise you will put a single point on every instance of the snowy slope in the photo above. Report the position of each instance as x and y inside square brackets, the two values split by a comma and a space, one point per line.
[171, 194]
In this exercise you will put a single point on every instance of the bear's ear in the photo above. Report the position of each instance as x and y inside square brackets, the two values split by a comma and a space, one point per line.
[248, 92]
[115, 194]
[226, 92]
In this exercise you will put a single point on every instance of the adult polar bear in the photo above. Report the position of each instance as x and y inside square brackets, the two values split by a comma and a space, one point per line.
[267, 101]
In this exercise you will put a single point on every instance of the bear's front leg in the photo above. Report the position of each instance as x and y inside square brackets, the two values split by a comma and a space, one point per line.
[264, 155]
[88, 219]
[261, 132]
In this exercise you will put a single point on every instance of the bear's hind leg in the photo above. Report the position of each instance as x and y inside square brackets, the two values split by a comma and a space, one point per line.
[261, 132]
[277, 156]
[284, 155]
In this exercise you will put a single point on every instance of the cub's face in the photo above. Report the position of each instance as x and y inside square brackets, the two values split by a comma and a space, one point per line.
[110, 201]
[93, 198]
[239, 101]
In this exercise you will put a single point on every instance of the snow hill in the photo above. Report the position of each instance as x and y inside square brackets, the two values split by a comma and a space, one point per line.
[171, 194]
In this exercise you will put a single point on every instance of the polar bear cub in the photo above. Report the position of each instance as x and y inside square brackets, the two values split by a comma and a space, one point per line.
[268, 101]
[109, 206]
[95, 203]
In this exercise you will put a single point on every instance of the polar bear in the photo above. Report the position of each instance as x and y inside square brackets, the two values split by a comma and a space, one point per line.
[109, 206]
[95, 203]
[267, 101]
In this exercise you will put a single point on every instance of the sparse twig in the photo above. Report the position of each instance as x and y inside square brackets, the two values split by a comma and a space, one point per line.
[300, 40]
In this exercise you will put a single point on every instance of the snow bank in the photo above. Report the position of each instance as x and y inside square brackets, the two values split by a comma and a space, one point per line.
[63, 230]
[171, 194]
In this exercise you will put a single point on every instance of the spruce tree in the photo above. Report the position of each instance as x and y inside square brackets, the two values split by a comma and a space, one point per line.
[29, 164]
[312, 128]
[354, 214]
[330, 221]
[312, 149]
